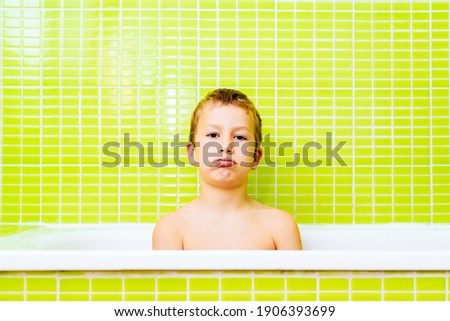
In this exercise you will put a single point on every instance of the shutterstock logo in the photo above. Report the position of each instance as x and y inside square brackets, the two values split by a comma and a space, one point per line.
[247, 149]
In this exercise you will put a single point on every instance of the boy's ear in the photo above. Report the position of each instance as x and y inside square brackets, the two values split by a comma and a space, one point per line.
[190, 154]
[257, 158]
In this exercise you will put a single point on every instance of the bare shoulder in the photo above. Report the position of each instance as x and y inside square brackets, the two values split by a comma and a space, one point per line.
[166, 234]
[169, 220]
[276, 217]
[284, 228]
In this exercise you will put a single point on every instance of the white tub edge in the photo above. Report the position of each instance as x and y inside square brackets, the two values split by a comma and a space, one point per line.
[224, 260]
[433, 259]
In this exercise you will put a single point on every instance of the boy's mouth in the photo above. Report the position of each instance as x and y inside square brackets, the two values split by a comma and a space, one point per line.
[225, 162]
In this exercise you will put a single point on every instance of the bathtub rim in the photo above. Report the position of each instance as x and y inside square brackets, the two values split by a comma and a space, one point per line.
[225, 260]
[307, 260]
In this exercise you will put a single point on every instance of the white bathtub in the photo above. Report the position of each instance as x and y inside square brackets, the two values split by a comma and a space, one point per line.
[128, 247]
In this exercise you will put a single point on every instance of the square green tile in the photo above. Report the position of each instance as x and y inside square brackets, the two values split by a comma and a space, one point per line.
[106, 297]
[11, 284]
[301, 284]
[35, 284]
[366, 284]
[236, 297]
[106, 285]
[399, 284]
[301, 297]
[74, 285]
[329, 284]
[430, 297]
[269, 284]
[204, 297]
[11, 297]
[269, 297]
[139, 297]
[41, 297]
[139, 285]
[204, 284]
[333, 296]
[172, 297]
[401, 296]
[236, 284]
[430, 284]
[74, 297]
[171, 284]
[355, 296]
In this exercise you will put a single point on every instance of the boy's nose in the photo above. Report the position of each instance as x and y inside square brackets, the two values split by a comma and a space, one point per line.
[226, 145]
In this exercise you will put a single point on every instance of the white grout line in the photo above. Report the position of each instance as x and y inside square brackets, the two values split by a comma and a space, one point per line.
[350, 281]
[1, 114]
[156, 286]
[217, 45]
[256, 98]
[220, 277]
[411, 109]
[61, 49]
[391, 55]
[334, 110]
[198, 89]
[317, 277]
[314, 111]
[447, 292]
[89, 277]
[25, 285]
[188, 286]
[41, 128]
[252, 276]
[58, 286]
[295, 113]
[276, 98]
[158, 109]
[21, 117]
[99, 109]
[119, 112]
[122, 279]
[178, 99]
[138, 100]
[80, 106]
[430, 42]
[373, 118]
[354, 167]
[237, 44]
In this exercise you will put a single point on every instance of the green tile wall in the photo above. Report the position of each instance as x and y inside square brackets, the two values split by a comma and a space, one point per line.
[77, 74]
[225, 286]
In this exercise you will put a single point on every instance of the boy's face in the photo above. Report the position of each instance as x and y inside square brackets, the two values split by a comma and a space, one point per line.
[226, 145]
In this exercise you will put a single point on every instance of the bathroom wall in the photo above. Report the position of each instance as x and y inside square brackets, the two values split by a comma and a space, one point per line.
[226, 286]
[78, 74]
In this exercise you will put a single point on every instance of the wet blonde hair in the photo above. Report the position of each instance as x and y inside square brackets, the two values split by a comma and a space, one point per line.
[226, 96]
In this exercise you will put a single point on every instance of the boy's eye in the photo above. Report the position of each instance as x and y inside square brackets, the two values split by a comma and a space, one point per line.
[215, 135]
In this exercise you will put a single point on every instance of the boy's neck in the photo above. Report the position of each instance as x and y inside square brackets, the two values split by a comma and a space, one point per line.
[223, 200]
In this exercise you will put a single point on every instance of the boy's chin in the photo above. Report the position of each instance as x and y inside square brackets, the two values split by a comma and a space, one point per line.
[224, 184]
[225, 176]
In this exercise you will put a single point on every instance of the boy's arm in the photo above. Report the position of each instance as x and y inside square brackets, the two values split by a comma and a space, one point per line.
[165, 235]
[286, 233]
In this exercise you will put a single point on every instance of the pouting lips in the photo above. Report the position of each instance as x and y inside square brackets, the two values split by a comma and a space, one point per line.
[224, 162]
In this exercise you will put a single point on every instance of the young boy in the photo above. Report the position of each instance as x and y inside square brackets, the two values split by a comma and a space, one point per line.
[225, 140]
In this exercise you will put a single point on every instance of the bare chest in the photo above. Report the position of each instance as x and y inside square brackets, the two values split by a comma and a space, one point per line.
[243, 236]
